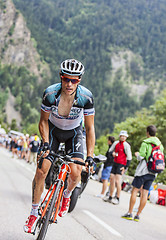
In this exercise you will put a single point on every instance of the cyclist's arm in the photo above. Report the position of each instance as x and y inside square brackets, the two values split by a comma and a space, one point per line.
[43, 126]
[90, 134]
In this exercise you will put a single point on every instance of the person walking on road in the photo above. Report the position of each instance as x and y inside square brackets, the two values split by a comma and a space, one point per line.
[122, 157]
[143, 178]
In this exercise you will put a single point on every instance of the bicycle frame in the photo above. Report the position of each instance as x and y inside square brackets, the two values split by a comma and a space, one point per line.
[48, 212]
[61, 177]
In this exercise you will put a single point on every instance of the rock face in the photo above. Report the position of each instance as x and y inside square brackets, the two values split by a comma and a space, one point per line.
[11, 113]
[16, 46]
[121, 60]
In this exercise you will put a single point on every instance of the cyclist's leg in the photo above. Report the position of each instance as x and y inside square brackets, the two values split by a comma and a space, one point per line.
[38, 182]
[75, 175]
[74, 148]
[44, 166]
[37, 189]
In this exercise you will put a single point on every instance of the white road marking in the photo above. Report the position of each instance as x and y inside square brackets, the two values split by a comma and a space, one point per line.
[106, 226]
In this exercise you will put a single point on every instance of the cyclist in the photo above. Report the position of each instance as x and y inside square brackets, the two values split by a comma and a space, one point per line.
[63, 108]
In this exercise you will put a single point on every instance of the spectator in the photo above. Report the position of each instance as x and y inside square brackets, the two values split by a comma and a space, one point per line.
[12, 144]
[122, 157]
[14, 147]
[8, 140]
[24, 153]
[34, 145]
[2, 140]
[143, 178]
[20, 146]
[107, 168]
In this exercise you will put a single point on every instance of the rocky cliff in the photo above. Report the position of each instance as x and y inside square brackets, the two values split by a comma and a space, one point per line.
[18, 48]
[16, 45]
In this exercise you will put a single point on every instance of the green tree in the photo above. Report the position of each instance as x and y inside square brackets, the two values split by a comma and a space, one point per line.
[14, 125]
[32, 129]
[159, 110]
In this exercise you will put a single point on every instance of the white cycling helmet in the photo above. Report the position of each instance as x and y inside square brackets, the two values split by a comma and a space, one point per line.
[72, 67]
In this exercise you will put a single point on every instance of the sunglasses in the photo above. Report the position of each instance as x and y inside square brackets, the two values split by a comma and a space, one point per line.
[66, 80]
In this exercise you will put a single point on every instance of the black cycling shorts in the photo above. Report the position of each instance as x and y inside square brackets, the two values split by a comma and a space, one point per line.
[73, 140]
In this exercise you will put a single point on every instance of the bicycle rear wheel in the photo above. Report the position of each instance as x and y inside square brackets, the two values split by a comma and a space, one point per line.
[43, 225]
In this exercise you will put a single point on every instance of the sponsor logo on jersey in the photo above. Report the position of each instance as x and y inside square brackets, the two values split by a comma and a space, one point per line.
[77, 146]
[74, 113]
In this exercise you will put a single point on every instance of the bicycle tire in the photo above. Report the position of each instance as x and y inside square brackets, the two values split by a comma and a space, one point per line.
[44, 227]
[83, 186]
[84, 180]
[74, 198]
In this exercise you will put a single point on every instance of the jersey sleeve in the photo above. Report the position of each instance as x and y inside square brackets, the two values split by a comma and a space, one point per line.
[89, 106]
[46, 105]
[49, 97]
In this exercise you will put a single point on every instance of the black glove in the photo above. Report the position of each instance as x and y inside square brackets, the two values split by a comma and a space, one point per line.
[45, 147]
[90, 161]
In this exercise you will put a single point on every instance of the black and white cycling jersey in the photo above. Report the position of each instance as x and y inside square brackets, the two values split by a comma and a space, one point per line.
[83, 105]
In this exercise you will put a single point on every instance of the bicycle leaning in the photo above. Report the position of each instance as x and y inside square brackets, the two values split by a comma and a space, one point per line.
[50, 206]
[78, 190]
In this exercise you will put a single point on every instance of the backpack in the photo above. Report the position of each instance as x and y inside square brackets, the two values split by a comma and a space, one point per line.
[156, 163]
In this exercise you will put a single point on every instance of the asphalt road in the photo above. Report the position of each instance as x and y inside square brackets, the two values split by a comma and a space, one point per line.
[92, 219]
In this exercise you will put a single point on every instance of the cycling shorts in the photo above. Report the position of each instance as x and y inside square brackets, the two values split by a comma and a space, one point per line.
[73, 140]
[116, 168]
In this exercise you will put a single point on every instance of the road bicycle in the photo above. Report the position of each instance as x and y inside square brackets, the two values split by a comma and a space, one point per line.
[78, 190]
[50, 205]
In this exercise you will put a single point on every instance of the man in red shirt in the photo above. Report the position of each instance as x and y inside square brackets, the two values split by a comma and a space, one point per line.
[122, 157]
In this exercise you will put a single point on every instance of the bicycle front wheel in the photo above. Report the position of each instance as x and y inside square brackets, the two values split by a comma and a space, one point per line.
[74, 198]
[47, 218]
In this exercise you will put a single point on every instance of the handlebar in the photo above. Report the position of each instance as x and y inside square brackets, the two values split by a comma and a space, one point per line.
[66, 158]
